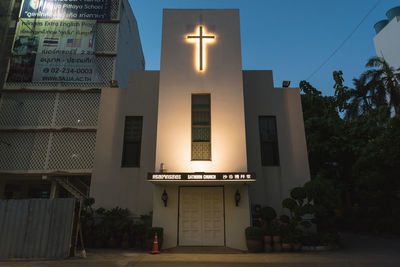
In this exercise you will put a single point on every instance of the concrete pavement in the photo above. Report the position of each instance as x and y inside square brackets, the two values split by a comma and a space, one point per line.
[359, 250]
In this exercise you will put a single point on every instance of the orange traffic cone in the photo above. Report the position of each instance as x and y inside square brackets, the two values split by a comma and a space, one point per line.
[155, 245]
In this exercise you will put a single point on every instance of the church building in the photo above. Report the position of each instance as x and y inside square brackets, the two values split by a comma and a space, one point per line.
[200, 143]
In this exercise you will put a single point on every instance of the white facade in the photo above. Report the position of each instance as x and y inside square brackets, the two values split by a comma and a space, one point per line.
[201, 209]
[387, 42]
[222, 80]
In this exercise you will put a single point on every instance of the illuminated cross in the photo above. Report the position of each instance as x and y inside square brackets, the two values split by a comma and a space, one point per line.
[202, 38]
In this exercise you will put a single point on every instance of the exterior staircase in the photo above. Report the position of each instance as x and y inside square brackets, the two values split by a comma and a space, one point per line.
[75, 187]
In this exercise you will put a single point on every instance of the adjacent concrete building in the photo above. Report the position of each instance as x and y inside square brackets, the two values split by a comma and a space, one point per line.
[50, 102]
[200, 143]
[387, 39]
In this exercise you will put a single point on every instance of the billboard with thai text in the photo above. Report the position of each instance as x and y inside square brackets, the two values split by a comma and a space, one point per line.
[52, 45]
[67, 9]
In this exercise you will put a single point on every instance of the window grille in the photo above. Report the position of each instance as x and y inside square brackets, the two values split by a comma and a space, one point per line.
[268, 141]
[201, 127]
[132, 141]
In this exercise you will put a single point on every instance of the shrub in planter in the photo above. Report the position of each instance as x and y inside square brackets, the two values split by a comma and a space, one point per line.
[254, 239]
[140, 236]
[272, 236]
[268, 214]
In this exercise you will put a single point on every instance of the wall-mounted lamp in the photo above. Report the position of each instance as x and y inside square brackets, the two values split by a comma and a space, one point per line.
[164, 198]
[237, 198]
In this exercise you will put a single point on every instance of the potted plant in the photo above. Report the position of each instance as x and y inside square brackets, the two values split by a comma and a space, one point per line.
[254, 239]
[296, 242]
[268, 215]
[293, 224]
[140, 233]
[268, 233]
[287, 232]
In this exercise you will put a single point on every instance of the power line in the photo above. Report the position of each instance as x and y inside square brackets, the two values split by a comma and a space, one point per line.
[344, 41]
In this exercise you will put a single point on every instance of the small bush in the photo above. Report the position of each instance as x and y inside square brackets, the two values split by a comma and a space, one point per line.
[268, 214]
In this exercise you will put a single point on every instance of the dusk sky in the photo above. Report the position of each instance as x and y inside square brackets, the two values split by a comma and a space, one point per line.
[291, 37]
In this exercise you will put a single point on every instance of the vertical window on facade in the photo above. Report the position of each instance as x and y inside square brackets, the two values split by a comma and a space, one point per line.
[201, 127]
[268, 141]
[132, 141]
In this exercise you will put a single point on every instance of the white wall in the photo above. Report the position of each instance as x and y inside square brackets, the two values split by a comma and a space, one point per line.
[125, 187]
[387, 43]
[222, 79]
[166, 217]
[261, 98]
[236, 218]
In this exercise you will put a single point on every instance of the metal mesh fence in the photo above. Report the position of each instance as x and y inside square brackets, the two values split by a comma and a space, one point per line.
[72, 151]
[77, 110]
[105, 43]
[26, 110]
[23, 151]
[49, 110]
[43, 151]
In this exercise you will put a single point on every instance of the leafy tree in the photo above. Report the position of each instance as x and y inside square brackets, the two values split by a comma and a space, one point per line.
[353, 146]
[386, 80]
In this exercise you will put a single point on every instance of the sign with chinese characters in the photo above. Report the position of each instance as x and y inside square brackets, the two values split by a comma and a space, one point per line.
[234, 176]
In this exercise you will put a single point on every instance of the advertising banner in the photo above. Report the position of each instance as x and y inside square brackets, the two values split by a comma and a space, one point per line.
[67, 9]
[55, 51]
[54, 41]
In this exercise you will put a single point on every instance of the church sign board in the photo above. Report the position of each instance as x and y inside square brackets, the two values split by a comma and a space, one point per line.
[231, 176]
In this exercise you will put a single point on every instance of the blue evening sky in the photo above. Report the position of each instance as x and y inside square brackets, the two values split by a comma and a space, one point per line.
[291, 37]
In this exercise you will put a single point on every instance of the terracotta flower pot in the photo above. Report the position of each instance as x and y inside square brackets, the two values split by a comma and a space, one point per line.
[277, 247]
[276, 243]
[296, 247]
[267, 243]
[276, 239]
[286, 246]
[255, 245]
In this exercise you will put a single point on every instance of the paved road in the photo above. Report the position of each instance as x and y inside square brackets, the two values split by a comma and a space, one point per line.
[359, 250]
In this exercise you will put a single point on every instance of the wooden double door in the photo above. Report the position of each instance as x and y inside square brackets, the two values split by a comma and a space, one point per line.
[201, 216]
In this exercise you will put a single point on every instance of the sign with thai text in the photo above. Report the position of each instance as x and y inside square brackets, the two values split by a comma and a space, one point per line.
[55, 41]
[67, 9]
[54, 51]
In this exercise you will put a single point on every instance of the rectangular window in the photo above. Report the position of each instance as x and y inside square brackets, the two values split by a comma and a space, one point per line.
[268, 141]
[132, 141]
[201, 127]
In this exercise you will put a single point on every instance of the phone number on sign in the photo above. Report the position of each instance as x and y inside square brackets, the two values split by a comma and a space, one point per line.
[67, 70]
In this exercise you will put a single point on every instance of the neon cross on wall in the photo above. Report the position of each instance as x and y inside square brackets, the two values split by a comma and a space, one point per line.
[201, 39]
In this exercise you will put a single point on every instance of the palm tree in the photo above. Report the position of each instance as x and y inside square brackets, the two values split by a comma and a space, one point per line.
[359, 98]
[386, 81]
